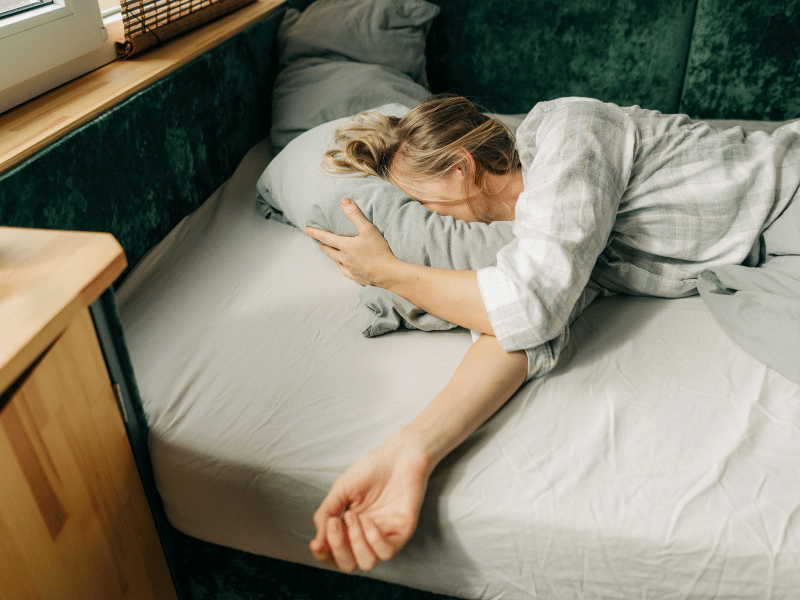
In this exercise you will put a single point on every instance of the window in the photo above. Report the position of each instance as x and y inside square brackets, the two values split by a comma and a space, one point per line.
[12, 7]
[45, 44]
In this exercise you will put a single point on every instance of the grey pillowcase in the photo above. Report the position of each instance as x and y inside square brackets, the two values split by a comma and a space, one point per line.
[341, 57]
[382, 32]
[302, 192]
[312, 91]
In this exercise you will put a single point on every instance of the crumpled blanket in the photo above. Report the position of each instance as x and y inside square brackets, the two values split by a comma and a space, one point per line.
[759, 307]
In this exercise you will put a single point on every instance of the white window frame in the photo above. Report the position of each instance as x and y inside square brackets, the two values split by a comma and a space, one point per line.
[44, 47]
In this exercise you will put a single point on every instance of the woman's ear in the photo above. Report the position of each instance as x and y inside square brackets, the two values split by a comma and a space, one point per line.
[469, 163]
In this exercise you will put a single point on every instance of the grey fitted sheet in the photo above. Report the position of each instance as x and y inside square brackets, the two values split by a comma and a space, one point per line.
[658, 460]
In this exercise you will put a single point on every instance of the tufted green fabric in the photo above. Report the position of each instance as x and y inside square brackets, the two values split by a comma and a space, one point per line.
[139, 168]
[510, 55]
[744, 61]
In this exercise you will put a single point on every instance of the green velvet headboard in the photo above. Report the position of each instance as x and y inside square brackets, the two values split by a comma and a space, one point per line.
[707, 58]
[744, 61]
[511, 55]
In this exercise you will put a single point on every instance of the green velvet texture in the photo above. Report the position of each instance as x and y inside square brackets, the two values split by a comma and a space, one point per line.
[744, 61]
[139, 168]
[212, 572]
[511, 55]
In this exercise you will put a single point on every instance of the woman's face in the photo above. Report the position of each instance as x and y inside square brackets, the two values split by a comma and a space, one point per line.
[454, 195]
[445, 195]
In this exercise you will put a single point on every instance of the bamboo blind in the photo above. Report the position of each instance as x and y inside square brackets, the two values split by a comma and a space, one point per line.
[150, 22]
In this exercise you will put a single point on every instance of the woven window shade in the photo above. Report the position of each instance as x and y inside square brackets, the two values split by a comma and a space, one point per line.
[148, 23]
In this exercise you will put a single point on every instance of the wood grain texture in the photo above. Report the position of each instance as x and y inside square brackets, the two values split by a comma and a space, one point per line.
[74, 520]
[30, 127]
[46, 278]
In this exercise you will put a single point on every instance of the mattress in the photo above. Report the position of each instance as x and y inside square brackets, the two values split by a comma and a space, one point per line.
[658, 459]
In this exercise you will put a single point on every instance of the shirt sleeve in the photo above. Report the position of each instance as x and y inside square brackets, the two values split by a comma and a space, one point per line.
[577, 156]
[544, 357]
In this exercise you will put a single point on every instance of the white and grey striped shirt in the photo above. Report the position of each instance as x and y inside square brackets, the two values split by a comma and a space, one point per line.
[626, 200]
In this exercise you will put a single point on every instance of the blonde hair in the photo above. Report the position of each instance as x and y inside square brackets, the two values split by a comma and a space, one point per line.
[428, 140]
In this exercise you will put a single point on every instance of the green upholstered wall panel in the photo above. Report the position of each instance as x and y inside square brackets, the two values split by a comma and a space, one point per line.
[212, 572]
[511, 55]
[744, 61]
[140, 167]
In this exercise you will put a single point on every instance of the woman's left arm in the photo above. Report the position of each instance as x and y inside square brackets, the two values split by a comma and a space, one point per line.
[367, 259]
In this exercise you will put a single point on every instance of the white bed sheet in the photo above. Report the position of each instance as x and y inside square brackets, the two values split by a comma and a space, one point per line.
[658, 460]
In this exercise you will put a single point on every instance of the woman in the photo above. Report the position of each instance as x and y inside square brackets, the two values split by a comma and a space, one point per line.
[604, 200]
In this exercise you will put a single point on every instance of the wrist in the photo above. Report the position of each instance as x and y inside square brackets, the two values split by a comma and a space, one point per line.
[413, 444]
[392, 275]
[430, 440]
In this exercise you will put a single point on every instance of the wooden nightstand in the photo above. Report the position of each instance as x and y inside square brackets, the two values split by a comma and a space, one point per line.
[74, 518]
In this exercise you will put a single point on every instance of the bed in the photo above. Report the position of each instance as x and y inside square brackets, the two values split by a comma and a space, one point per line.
[657, 460]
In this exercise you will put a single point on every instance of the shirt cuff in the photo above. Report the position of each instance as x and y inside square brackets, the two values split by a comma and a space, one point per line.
[541, 359]
[505, 307]
[544, 357]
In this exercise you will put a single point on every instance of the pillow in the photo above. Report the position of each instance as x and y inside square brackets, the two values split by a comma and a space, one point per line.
[313, 91]
[383, 32]
[302, 192]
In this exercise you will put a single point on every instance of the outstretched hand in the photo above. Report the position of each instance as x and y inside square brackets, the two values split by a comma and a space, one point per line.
[372, 510]
[365, 258]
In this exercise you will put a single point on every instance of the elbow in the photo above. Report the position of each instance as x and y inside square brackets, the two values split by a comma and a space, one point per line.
[543, 358]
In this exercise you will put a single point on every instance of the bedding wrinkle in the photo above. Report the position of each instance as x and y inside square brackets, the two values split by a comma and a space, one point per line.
[743, 494]
[525, 586]
[532, 487]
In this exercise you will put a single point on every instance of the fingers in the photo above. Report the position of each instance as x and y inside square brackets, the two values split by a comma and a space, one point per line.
[325, 237]
[319, 546]
[354, 541]
[333, 253]
[383, 549]
[330, 544]
[362, 552]
[337, 540]
[357, 218]
[331, 507]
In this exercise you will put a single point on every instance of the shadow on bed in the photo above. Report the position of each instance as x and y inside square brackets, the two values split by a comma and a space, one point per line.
[586, 344]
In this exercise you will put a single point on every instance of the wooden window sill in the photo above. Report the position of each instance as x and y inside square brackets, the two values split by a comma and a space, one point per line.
[30, 127]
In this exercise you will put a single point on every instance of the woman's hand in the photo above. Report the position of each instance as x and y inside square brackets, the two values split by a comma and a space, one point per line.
[365, 258]
[373, 508]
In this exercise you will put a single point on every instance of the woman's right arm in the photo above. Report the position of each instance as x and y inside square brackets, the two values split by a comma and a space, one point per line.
[372, 510]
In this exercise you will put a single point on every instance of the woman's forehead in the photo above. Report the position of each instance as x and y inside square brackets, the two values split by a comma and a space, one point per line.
[404, 177]
[430, 189]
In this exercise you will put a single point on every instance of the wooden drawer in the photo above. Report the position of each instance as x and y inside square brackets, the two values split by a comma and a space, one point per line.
[74, 520]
